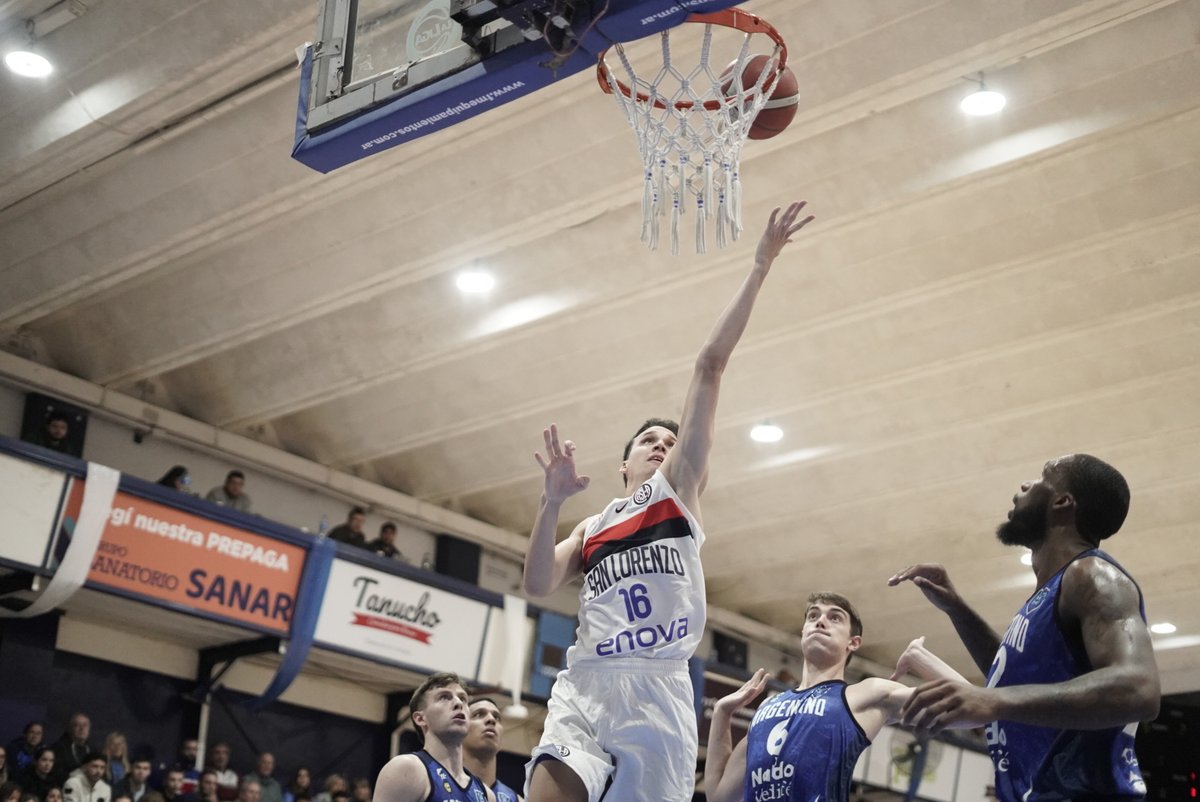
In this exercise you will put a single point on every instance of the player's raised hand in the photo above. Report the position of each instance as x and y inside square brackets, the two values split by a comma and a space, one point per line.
[933, 581]
[744, 695]
[911, 659]
[562, 481]
[780, 229]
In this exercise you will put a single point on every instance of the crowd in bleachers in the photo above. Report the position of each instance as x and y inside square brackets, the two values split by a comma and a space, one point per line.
[73, 769]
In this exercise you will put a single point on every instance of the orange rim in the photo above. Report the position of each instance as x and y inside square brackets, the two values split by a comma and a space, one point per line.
[734, 18]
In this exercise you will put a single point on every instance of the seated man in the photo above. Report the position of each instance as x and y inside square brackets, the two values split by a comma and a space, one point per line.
[803, 743]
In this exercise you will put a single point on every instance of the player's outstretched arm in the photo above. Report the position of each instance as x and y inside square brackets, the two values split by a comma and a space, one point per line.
[547, 565]
[724, 765]
[402, 779]
[979, 638]
[686, 468]
[1122, 687]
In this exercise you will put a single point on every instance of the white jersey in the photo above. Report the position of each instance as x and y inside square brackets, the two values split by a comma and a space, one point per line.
[643, 587]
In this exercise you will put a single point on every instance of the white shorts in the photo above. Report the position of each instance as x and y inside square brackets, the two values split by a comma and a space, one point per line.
[628, 721]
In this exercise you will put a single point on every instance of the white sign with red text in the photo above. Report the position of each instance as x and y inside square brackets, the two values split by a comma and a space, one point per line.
[401, 621]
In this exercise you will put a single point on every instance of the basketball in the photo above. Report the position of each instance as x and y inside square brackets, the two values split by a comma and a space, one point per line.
[780, 108]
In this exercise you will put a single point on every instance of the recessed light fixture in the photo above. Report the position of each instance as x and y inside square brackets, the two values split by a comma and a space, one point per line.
[27, 63]
[1163, 628]
[474, 281]
[1027, 558]
[766, 433]
[982, 101]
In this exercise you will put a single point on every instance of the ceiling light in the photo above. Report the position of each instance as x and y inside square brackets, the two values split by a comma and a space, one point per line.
[474, 281]
[982, 101]
[1027, 558]
[766, 433]
[29, 64]
[1162, 629]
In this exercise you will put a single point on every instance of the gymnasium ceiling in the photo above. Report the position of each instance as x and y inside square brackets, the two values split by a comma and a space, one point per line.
[975, 297]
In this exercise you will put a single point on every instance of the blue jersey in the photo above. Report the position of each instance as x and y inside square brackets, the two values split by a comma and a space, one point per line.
[444, 788]
[503, 792]
[803, 745]
[1044, 764]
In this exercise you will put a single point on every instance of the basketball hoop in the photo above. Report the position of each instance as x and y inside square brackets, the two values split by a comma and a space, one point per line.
[691, 125]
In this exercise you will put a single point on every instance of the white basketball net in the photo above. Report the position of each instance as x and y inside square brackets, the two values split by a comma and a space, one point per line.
[690, 155]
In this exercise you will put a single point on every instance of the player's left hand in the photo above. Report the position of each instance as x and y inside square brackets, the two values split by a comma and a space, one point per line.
[780, 229]
[944, 703]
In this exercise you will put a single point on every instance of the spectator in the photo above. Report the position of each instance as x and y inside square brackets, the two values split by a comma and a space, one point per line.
[206, 787]
[115, 749]
[301, 785]
[186, 761]
[334, 783]
[172, 783]
[360, 790]
[4, 772]
[53, 795]
[385, 544]
[40, 777]
[157, 796]
[232, 494]
[28, 797]
[136, 783]
[177, 478]
[71, 748]
[269, 788]
[22, 751]
[56, 434]
[340, 796]
[88, 785]
[227, 779]
[351, 532]
[10, 792]
[119, 796]
[249, 790]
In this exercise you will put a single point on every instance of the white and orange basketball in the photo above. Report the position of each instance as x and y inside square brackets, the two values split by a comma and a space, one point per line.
[780, 108]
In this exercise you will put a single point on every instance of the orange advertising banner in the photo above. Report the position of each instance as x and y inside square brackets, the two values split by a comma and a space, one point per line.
[162, 553]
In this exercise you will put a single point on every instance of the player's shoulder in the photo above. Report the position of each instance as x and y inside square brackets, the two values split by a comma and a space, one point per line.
[1094, 581]
[400, 777]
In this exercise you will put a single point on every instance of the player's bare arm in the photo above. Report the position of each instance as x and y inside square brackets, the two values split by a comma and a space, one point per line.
[876, 701]
[724, 765]
[686, 468]
[1123, 686]
[548, 566]
[402, 779]
[933, 580]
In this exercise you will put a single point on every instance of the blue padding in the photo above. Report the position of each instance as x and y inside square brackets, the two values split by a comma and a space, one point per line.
[512, 74]
[309, 596]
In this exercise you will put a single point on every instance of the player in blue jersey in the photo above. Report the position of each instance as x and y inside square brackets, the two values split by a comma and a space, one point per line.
[621, 721]
[483, 744]
[1074, 671]
[803, 743]
[436, 772]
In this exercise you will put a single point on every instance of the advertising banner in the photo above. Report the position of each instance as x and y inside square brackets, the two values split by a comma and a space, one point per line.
[164, 554]
[397, 620]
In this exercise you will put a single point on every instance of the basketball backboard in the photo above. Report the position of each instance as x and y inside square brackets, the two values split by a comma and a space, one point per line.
[385, 72]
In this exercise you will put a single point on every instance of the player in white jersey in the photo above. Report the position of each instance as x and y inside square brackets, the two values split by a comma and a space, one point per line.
[622, 721]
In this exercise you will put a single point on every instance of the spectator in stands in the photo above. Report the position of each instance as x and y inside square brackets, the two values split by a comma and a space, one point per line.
[10, 792]
[171, 785]
[115, 753]
[249, 790]
[206, 788]
[186, 761]
[88, 785]
[340, 796]
[269, 788]
[360, 790]
[120, 796]
[232, 494]
[71, 748]
[385, 544]
[28, 797]
[334, 783]
[227, 779]
[301, 785]
[177, 478]
[351, 532]
[56, 435]
[22, 751]
[136, 783]
[39, 777]
[4, 772]
[53, 795]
